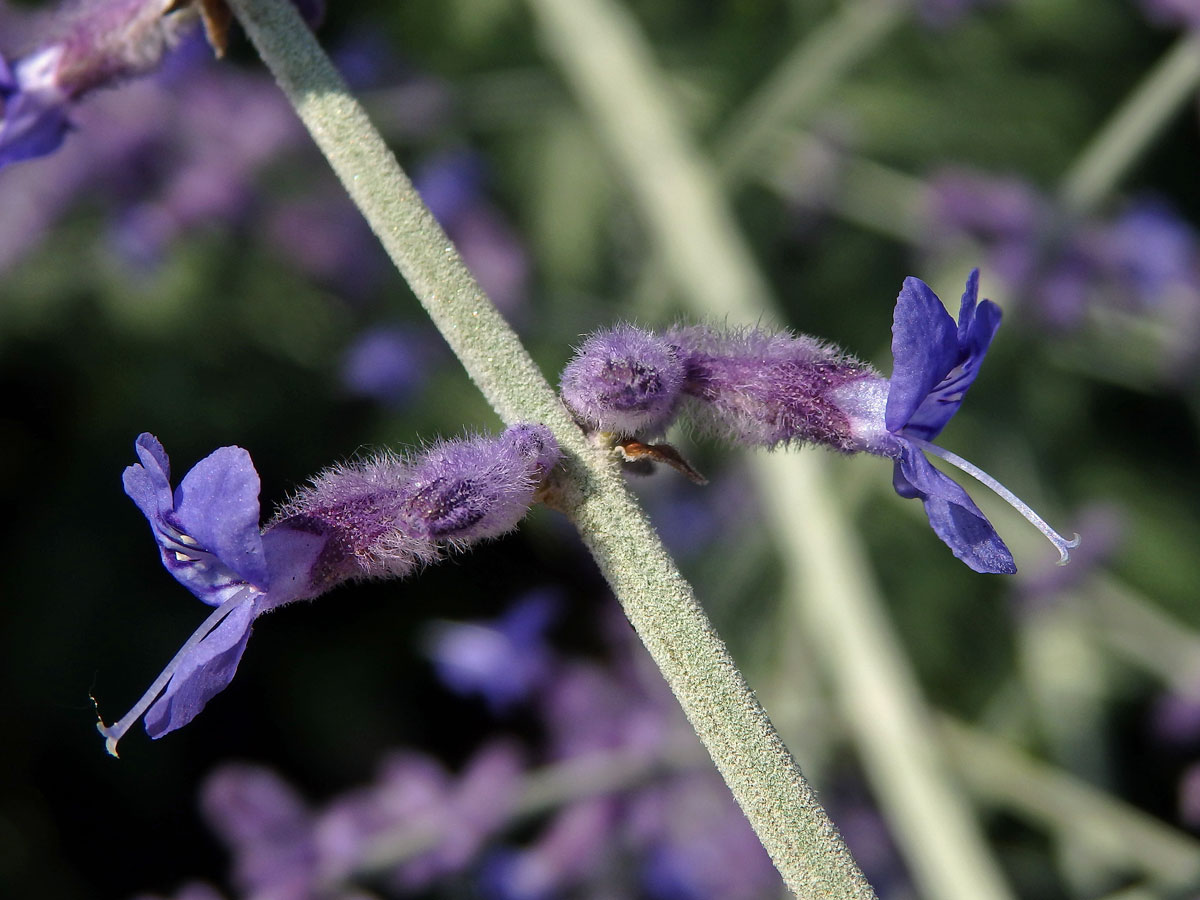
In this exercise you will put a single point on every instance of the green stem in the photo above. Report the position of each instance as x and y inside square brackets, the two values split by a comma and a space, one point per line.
[606, 60]
[1132, 128]
[1117, 835]
[803, 80]
[730, 722]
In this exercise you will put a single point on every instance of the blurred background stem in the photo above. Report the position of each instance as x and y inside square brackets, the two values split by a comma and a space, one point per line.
[1132, 128]
[802, 81]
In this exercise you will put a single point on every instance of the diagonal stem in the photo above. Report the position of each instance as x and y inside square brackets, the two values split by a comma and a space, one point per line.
[735, 730]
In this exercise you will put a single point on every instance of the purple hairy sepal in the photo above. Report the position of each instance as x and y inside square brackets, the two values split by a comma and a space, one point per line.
[389, 515]
[761, 389]
[101, 43]
[624, 380]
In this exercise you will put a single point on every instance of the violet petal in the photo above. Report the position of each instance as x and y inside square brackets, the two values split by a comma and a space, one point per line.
[204, 673]
[924, 350]
[217, 505]
[953, 516]
[976, 327]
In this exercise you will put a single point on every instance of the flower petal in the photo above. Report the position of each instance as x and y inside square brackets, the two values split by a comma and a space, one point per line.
[953, 516]
[216, 504]
[924, 348]
[149, 484]
[977, 326]
[202, 673]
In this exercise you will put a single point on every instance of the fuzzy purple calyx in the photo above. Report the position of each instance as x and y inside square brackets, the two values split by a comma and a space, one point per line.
[388, 515]
[624, 380]
[763, 389]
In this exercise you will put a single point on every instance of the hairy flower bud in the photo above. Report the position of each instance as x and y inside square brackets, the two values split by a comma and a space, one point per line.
[624, 380]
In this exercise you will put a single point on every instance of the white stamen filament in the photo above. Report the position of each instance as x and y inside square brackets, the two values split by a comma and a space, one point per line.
[1060, 542]
[117, 730]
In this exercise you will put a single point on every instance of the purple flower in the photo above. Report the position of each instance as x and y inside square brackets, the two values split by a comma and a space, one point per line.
[267, 827]
[379, 518]
[102, 42]
[207, 529]
[503, 660]
[572, 847]
[208, 538]
[767, 389]
[416, 804]
[388, 364]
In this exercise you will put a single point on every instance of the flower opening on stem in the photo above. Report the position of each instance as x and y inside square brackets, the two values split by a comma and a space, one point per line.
[761, 389]
[379, 518]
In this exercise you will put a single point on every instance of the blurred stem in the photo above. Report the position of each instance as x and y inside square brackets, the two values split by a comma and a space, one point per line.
[802, 80]
[539, 791]
[1119, 836]
[605, 58]
[606, 62]
[735, 730]
[1143, 633]
[1132, 128]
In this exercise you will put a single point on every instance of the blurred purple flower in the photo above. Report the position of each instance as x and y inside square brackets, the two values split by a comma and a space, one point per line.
[1180, 13]
[700, 845]
[1189, 797]
[98, 43]
[389, 364]
[452, 184]
[194, 890]
[381, 518]
[569, 850]
[504, 660]
[267, 827]
[1175, 717]
[416, 804]
[325, 236]
[1145, 262]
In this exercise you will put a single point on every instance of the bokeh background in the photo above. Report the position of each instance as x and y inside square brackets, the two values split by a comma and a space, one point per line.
[187, 265]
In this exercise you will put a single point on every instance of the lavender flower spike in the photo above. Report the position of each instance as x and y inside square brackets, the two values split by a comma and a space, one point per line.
[382, 517]
[100, 43]
[765, 389]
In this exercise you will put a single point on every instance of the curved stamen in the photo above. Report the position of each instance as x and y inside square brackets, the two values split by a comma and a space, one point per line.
[1063, 545]
[117, 730]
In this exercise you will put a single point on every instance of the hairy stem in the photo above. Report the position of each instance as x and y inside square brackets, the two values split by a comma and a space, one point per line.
[764, 778]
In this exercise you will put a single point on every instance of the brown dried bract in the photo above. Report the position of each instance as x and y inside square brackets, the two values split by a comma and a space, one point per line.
[216, 16]
[639, 454]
